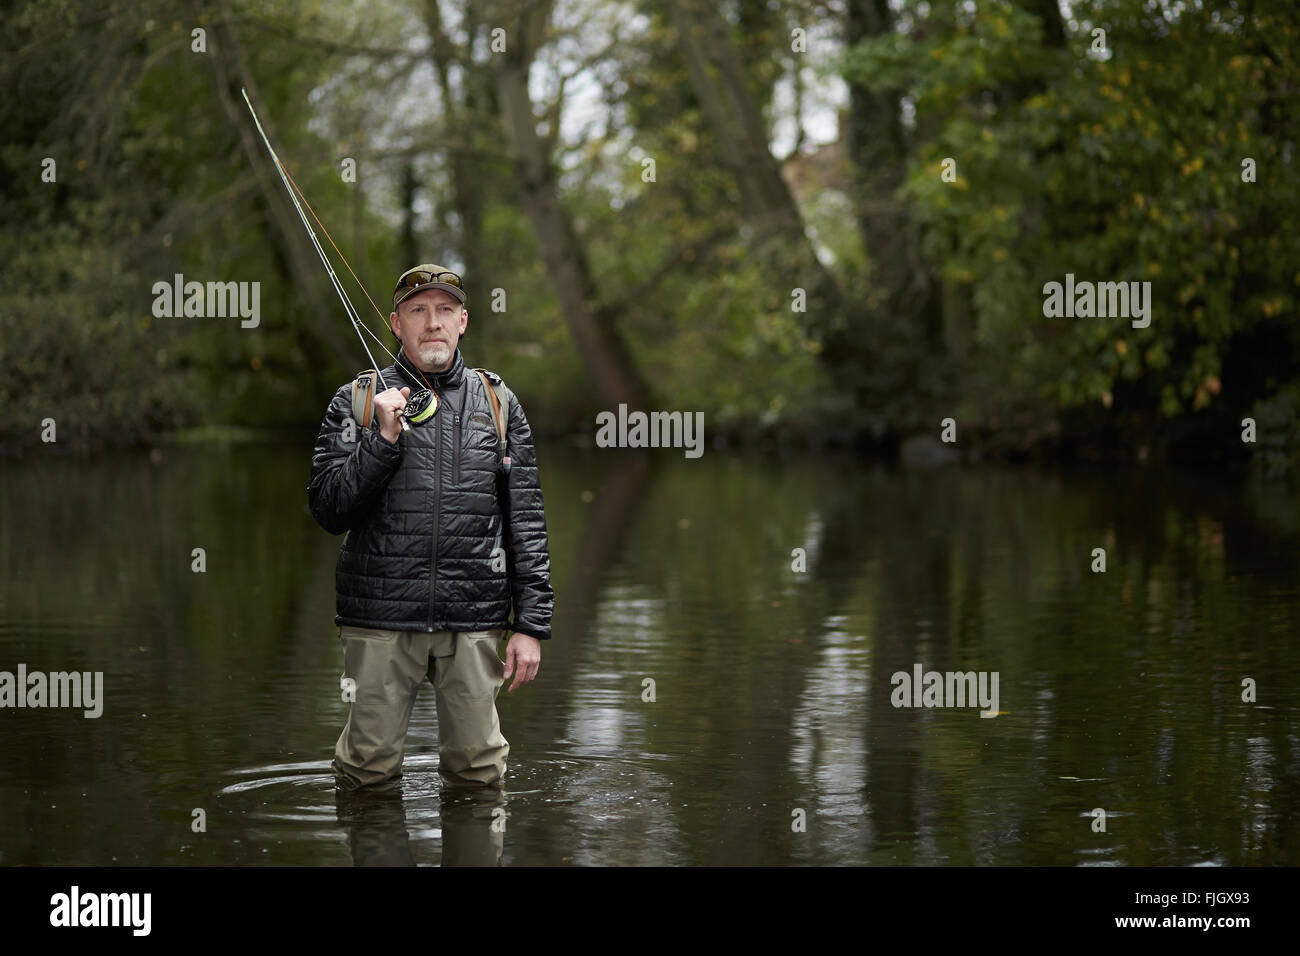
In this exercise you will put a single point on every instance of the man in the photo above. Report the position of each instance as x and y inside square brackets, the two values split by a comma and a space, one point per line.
[444, 534]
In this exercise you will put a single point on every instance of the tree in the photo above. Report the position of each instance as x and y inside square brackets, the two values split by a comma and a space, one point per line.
[604, 354]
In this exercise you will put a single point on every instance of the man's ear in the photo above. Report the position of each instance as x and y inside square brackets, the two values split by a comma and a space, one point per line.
[392, 324]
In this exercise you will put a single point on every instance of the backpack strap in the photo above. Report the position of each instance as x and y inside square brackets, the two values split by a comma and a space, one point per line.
[499, 398]
[364, 387]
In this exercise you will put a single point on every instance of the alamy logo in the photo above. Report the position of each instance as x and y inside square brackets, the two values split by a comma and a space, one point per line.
[1102, 300]
[951, 689]
[102, 909]
[215, 300]
[57, 689]
[656, 430]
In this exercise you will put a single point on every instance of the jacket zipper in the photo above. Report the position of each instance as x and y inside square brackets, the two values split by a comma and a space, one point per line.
[437, 515]
[456, 460]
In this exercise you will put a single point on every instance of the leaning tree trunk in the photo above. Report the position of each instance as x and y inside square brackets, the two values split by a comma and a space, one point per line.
[768, 206]
[602, 351]
[230, 72]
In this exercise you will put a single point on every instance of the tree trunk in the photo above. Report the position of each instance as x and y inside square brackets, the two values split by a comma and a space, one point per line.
[900, 289]
[410, 245]
[875, 143]
[767, 204]
[307, 274]
[602, 351]
[461, 120]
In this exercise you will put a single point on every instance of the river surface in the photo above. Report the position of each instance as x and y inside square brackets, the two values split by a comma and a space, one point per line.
[721, 685]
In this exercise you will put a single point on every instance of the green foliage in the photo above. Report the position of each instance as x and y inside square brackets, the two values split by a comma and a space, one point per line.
[1276, 450]
[1122, 166]
[1114, 167]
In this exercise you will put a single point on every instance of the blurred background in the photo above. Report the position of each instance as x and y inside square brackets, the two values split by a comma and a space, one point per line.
[795, 145]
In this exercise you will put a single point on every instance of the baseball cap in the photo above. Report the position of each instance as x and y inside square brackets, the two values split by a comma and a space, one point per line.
[426, 276]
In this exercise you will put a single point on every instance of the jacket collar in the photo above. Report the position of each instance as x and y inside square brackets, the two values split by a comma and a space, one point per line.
[439, 380]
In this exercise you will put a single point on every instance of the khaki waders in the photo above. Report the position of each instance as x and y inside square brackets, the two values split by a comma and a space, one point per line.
[389, 668]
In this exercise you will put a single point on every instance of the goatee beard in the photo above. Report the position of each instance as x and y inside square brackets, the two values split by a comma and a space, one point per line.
[435, 356]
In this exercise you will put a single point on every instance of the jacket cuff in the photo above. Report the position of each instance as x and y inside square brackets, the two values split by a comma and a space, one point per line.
[381, 447]
[541, 633]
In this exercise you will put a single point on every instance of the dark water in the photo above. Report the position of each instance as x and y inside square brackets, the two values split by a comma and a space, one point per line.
[1120, 691]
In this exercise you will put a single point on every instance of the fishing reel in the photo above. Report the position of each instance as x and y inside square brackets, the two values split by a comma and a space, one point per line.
[420, 407]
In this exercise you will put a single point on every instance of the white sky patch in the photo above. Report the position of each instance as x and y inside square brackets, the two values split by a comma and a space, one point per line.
[822, 100]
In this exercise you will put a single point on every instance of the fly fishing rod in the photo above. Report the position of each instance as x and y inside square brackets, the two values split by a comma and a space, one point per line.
[420, 406]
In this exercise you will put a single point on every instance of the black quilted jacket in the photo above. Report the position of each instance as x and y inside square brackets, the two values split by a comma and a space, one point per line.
[429, 546]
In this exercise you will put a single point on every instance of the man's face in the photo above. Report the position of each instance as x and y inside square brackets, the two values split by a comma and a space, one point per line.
[429, 325]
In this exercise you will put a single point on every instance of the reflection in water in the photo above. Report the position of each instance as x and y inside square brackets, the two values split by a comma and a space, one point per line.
[725, 633]
[472, 833]
[470, 824]
[376, 826]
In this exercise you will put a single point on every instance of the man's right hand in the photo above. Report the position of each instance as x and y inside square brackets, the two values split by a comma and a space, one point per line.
[389, 405]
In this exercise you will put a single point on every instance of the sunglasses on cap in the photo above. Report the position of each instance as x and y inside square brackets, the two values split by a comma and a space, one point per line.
[423, 277]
